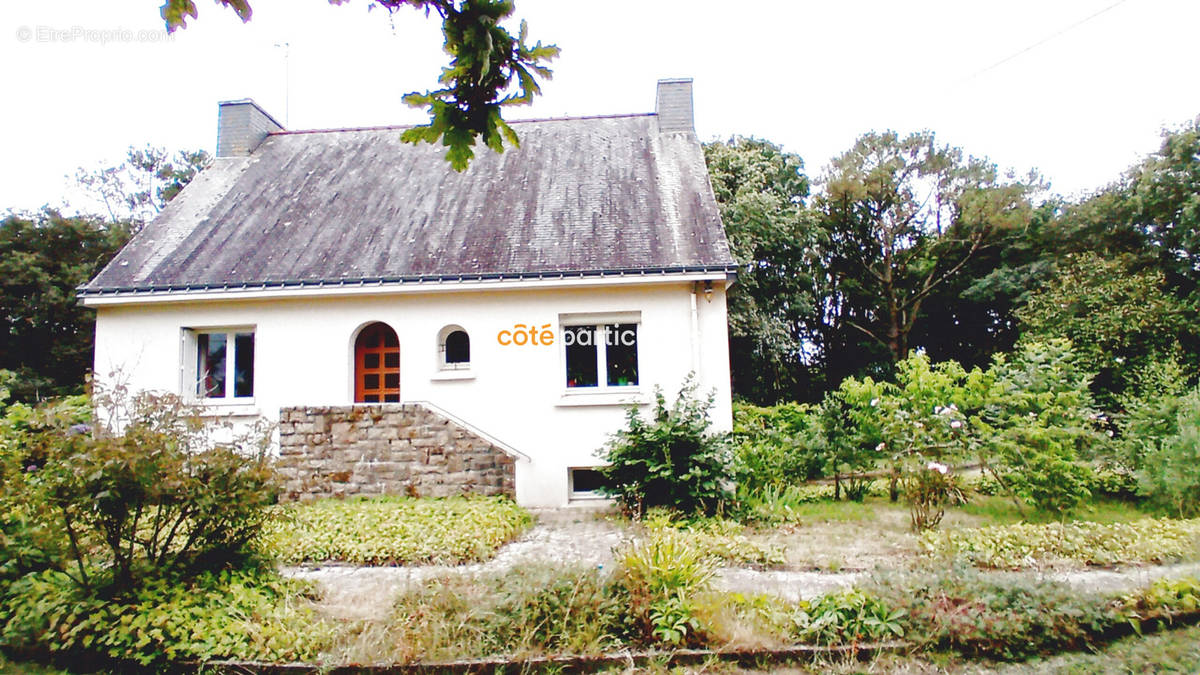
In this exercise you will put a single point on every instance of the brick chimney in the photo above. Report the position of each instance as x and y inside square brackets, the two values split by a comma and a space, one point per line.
[674, 105]
[241, 126]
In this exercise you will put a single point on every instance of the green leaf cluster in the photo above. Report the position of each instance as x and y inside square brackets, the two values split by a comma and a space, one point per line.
[247, 614]
[1023, 544]
[673, 460]
[394, 530]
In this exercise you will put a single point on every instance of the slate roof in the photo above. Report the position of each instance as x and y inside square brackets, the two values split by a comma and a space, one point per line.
[580, 196]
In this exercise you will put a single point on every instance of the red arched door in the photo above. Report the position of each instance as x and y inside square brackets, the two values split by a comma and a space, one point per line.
[377, 365]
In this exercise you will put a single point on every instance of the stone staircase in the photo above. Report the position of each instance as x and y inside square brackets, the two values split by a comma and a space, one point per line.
[397, 449]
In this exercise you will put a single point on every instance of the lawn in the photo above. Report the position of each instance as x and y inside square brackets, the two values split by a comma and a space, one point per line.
[832, 536]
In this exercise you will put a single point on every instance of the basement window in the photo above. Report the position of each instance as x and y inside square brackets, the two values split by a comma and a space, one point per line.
[601, 356]
[224, 365]
[585, 483]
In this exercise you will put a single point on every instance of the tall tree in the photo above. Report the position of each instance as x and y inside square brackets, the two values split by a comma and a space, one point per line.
[1119, 320]
[135, 190]
[489, 69]
[773, 306]
[902, 217]
[45, 335]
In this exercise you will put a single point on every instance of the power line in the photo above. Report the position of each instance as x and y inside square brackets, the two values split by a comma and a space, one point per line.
[1039, 43]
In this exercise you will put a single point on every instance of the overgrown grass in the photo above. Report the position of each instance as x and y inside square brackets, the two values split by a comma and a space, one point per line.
[1172, 651]
[1020, 545]
[997, 510]
[395, 530]
[725, 540]
[526, 611]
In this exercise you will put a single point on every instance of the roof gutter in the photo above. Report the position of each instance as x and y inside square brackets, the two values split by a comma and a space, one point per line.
[416, 283]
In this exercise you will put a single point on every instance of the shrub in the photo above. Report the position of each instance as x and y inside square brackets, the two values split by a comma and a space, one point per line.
[659, 577]
[929, 489]
[158, 494]
[1019, 545]
[996, 617]
[394, 530]
[1163, 599]
[674, 460]
[247, 614]
[1169, 474]
[776, 446]
[1036, 422]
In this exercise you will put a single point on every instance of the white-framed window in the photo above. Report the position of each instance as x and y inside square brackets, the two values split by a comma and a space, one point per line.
[221, 364]
[454, 348]
[584, 482]
[601, 354]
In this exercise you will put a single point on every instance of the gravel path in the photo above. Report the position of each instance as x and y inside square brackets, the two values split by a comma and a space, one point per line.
[573, 537]
[562, 537]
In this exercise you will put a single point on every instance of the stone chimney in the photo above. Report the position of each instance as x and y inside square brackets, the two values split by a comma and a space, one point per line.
[241, 126]
[674, 105]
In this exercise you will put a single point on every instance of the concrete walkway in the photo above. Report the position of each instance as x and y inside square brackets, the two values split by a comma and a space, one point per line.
[569, 538]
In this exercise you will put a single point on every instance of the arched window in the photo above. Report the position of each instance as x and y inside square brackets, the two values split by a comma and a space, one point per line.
[454, 345]
[377, 365]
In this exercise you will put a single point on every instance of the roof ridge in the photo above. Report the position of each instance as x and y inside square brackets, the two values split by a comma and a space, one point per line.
[390, 127]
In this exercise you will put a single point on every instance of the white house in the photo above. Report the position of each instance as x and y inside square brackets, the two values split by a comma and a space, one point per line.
[520, 305]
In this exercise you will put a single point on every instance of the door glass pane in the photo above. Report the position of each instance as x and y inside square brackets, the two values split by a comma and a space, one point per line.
[621, 346]
[210, 365]
[243, 367]
[581, 356]
[391, 380]
[391, 360]
[371, 381]
[370, 360]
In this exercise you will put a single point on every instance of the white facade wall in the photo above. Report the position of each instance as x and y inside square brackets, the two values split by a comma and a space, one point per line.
[517, 394]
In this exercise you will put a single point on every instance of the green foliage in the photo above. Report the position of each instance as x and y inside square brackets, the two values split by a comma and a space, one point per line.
[1023, 544]
[1117, 318]
[1035, 424]
[1169, 467]
[998, 618]
[249, 614]
[157, 494]
[843, 617]
[394, 530]
[901, 217]
[720, 538]
[659, 577]
[673, 460]
[929, 490]
[45, 334]
[528, 610]
[794, 504]
[134, 191]
[1164, 598]
[777, 446]
[489, 69]
[774, 310]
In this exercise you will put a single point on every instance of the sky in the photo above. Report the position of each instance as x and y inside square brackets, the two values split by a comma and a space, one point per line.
[1077, 89]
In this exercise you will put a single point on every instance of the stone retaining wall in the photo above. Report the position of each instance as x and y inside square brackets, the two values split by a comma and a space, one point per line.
[404, 449]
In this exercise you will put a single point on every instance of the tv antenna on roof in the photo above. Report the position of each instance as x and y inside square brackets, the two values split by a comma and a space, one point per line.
[287, 81]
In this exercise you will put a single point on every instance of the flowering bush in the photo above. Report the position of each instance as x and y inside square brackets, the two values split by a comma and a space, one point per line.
[929, 489]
